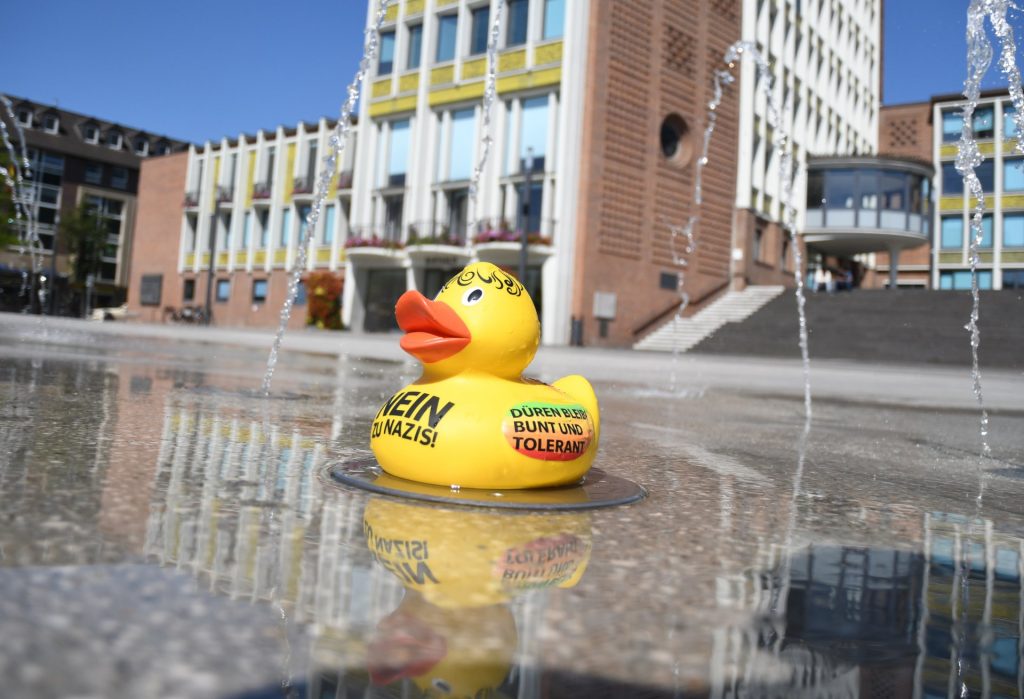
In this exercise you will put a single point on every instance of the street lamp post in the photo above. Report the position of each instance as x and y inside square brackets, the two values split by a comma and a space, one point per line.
[524, 233]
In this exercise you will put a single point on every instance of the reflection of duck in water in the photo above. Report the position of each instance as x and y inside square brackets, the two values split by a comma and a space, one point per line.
[471, 419]
[453, 634]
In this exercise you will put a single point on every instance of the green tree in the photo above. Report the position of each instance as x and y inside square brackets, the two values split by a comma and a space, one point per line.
[85, 235]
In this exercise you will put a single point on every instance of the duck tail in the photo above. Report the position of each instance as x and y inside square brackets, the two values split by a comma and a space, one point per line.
[578, 388]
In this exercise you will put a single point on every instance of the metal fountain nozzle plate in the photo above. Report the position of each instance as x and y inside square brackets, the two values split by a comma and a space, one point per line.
[596, 489]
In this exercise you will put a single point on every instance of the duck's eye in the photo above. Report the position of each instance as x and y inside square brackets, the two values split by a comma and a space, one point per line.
[472, 296]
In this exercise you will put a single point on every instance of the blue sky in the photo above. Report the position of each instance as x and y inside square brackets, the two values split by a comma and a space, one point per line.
[202, 70]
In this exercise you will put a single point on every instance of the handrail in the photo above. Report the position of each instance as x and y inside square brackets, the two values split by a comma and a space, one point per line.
[660, 315]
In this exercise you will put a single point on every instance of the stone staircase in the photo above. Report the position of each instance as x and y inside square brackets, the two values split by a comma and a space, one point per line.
[733, 307]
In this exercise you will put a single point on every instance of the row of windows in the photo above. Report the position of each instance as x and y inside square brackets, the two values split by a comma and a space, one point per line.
[516, 21]
[457, 135]
[960, 280]
[1013, 176]
[222, 291]
[983, 123]
[257, 223]
[953, 228]
[50, 123]
[118, 175]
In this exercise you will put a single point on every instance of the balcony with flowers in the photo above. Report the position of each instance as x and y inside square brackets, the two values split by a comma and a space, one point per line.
[191, 200]
[500, 243]
[375, 246]
[434, 240]
[225, 195]
[302, 187]
[262, 190]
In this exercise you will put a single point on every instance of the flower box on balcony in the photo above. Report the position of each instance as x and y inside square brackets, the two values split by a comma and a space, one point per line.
[373, 242]
[502, 236]
[345, 180]
[261, 190]
[302, 185]
[191, 200]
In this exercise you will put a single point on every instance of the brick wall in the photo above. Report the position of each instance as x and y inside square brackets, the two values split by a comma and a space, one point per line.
[157, 232]
[648, 59]
[904, 130]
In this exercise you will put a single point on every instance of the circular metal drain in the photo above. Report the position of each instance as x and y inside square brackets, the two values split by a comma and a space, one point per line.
[595, 489]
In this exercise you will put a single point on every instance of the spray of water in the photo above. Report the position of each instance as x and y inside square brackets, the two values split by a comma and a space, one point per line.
[969, 157]
[682, 241]
[336, 144]
[21, 194]
[787, 173]
[490, 90]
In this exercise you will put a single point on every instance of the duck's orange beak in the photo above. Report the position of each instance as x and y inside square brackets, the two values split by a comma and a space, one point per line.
[433, 331]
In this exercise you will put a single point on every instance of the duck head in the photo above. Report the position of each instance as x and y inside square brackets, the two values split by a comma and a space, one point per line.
[482, 320]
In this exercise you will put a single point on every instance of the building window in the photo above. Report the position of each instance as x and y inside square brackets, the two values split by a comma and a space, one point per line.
[518, 20]
[114, 140]
[91, 134]
[952, 236]
[119, 178]
[529, 221]
[303, 224]
[192, 224]
[986, 173]
[393, 217]
[534, 132]
[1013, 174]
[1013, 230]
[300, 294]
[387, 53]
[50, 123]
[460, 163]
[952, 125]
[415, 46]
[259, 290]
[264, 217]
[329, 224]
[188, 291]
[458, 212]
[163, 149]
[984, 122]
[554, 19]
[960, 280]
[479, 30]
[1013, 278]
[447, 26]
[286, 227]
[986, 231]
[223, 290]
[759, 247]
[398, 153]
[1009, 123]
[952, 182]
[141, 147]
[246, 230]
[93, 173]
[25, 117]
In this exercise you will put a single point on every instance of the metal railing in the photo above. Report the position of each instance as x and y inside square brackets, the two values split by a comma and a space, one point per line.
[262, 190]
[225, 194]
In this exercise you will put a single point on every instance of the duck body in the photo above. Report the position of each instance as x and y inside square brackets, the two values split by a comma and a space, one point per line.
[471, 420]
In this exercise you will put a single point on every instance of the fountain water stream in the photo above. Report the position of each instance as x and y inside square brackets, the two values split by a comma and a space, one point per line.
[490, 90]
[787, 173]
[20, 195]
[969, 157]
[336, 145]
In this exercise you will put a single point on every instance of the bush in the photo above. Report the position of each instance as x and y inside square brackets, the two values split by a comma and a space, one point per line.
[323, 300]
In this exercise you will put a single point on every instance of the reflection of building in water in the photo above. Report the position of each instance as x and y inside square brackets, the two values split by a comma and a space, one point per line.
[236, 503]
[849, 621]
[50, 448]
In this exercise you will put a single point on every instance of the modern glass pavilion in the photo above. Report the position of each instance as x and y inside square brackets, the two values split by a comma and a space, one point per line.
[859, 204]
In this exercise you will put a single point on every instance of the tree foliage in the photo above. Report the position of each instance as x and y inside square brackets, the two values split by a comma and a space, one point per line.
[85, 235]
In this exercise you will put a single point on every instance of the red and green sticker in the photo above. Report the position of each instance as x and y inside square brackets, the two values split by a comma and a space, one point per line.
[549, 431]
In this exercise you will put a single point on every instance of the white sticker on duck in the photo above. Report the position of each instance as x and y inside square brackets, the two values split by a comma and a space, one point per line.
[549, 431]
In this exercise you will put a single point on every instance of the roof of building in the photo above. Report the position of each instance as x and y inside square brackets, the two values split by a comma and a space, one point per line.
[88, 136]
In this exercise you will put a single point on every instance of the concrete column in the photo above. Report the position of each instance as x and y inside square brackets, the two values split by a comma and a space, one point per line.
[894, 263]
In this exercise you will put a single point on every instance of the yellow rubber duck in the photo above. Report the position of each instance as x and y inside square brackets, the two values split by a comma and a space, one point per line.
[471, 420]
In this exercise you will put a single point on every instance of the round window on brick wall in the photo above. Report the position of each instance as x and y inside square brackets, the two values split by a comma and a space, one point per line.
[676, 143]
